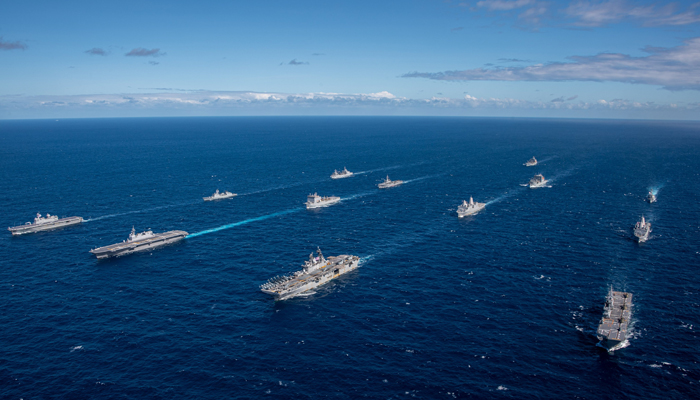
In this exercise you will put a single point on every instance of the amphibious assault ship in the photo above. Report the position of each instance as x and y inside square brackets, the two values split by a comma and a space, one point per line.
[613, 327]
[387, 183]
[470, 208]
[44, 224]
[537, 181]
[139, 242]
[531, 162]
[651, 198]
[315, 272]
[316, 201]
[642, 229]
[218, 195]
[342, 174]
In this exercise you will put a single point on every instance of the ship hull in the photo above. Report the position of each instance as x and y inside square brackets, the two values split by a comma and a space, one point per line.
[61, 223]
[122, 249]
[391, 185]
[342, 176]
[530, 164]
[320, 205]
[218, 198]
[335, 271]
[609, 344]
[537, 185]
[463, 214]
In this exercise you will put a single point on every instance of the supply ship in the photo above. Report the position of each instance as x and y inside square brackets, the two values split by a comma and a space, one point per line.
[387, 183]
[651, 198]
[537, 181]
[342, 174]
[143, 241]
[531, 162]
[470, 208]
[218, 196]
[642, 229]
[316, 201]
[315, 272]
[613, 327]
[47, 223]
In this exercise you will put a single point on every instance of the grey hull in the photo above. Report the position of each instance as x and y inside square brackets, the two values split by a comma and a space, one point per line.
[31, 228]
[122, 249]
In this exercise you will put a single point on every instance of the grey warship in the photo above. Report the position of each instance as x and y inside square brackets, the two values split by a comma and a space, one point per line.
[614, 326]
[316, 201]
[315, 272]
[342, 174]
[531, 162]
[651, 198]
[642, 229]
[537, 181]
[470, 208]
[388, 183]
[47, 223]
[139, 242]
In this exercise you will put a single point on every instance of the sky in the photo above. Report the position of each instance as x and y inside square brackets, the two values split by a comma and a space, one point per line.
[510, 58]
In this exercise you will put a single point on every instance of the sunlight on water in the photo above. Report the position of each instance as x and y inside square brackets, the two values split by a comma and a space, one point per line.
[247, 221]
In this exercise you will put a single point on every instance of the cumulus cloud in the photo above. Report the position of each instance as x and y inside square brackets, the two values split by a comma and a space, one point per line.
[96, 51]
[17, 45]
[673, 68]
[295, 62]
[141, 52]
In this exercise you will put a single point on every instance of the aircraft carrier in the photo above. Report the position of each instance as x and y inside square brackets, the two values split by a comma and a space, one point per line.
[315, 272]
[143, 241]
[387, 183]
[47, 223]
[470, 208]
[613, 327]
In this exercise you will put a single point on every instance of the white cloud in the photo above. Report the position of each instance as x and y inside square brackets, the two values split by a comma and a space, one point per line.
[674, 68]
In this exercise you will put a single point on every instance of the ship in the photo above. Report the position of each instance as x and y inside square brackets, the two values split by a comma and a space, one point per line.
[218, 195]
[642, 229]
[316, 201]
[342, 174]
[47, 223]
[143, 241]
[470, 208]
[531, 162]
[614, 326]
[387, 183]
[651, 198]
[315, 272]
[537, 181]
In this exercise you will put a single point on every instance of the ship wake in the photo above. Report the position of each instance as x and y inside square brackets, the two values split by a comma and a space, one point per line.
[239, 223]
[138, 211]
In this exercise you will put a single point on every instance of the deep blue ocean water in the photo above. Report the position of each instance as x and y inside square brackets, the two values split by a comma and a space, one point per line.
[503, 304]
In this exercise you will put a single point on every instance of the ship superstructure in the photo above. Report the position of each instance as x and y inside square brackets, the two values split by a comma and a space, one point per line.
[316, 201]
[469, 208]
[342, 174]
[614, 326]
[531, 162]
[387, 183]
[46, 223]
[139, 242]
[642, 229]
[651, 198]
[315, 272]
[537, 181]
[220, 195]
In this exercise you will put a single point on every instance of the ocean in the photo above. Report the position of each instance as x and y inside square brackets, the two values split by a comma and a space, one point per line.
[502, 304]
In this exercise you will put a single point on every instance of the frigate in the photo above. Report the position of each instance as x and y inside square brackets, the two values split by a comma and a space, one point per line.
[470, 208]
[218, 195]
[642, 229]
[651, 198]
[143, 241]
[614, 326]
[531, 162]
[387, 183]
[342, 174]
[537, 181]
[315, 272]
[46, 223]
[316, 201]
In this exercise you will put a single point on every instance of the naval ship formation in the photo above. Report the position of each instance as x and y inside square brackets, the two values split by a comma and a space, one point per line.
[44, 224]
[316, 201]
[315, 272]
[342, 174]
[614, 326]
[470, 208]
[642, 229]
[387, 183]
[139, 242]
[218, 195]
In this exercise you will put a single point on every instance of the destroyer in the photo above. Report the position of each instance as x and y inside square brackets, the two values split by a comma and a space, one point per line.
[613, 327]
[642, 229]
[44, 224]
[218, 196]
[315, 272]
[531, 162]
[470, 208]
[537, 181]
[139, 242]
[342, 174]
[387, 183]
[651, 198]
[316, 201]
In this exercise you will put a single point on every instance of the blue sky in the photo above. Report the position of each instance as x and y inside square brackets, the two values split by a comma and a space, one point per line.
[586, 59]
